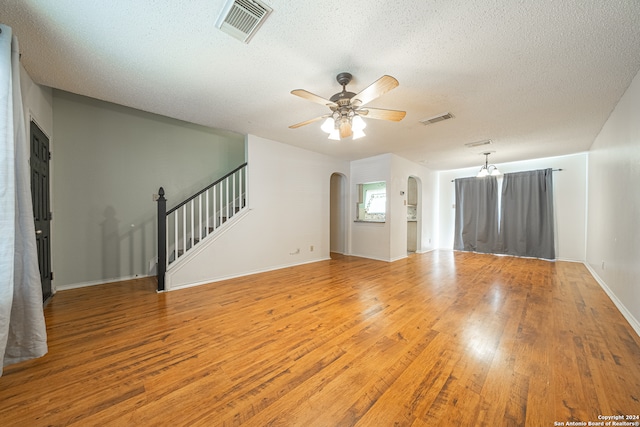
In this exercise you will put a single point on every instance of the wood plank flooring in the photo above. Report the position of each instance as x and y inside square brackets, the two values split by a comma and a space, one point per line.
[443, 338]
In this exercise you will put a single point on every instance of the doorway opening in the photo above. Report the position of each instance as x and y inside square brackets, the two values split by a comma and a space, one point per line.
[338, 214]
[413, 215]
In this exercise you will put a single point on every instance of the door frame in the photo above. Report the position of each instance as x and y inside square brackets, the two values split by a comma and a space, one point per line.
[338, 224]
[42, 224]
[418, 204]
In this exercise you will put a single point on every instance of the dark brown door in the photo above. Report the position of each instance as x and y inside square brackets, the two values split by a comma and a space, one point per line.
[40, 197]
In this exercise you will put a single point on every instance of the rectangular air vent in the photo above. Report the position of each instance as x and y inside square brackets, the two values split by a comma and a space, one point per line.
[242, 18]
[436, 119]
[478, 143]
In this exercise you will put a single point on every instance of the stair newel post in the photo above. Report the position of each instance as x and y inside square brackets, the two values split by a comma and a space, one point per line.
[162, 238]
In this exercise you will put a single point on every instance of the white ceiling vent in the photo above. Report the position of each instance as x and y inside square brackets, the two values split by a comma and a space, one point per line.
[242, 18]
[478, 143]
[436, 119]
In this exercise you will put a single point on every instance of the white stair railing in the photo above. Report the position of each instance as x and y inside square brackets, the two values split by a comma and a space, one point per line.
[185, 225]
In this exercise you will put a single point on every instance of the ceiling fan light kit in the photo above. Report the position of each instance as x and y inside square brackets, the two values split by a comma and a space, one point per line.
[347, 112]
[328, 125]
[358, 123]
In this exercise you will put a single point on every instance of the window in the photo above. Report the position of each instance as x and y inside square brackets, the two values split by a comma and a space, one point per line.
[372, 202]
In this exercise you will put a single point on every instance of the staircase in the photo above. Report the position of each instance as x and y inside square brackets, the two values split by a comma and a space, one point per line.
[200, 216]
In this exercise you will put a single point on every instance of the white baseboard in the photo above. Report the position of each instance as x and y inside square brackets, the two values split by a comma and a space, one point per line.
[370, 257]
[249, 273]
[391, 259]
[581, 261]
[426, 251]
[626, 313]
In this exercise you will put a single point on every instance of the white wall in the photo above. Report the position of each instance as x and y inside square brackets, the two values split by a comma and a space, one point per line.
[289, 211]
[613, 230]
[38, 105]
[570, 197]
[369, 239]
[108, 162]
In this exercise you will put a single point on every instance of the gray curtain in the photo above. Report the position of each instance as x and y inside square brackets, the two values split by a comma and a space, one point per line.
[476, 226]
[526, 224]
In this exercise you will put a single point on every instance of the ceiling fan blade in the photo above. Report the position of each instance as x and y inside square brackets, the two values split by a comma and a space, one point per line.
[345, 130]
[382, 114]
[381, 86]
[313, 98]
[297, 125]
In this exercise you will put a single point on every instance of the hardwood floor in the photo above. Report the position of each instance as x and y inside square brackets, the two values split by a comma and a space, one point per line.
[440, 339]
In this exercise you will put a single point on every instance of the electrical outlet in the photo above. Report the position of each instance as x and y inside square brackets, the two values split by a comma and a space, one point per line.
[311, 248]
[603, 265]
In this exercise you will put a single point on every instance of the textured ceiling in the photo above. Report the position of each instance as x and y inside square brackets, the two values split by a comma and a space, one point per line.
[539, 78]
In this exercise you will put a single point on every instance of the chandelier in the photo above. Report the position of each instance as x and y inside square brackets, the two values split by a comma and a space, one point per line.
[487, 169]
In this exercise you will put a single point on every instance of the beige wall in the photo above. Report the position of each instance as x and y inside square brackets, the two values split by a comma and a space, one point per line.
[38, 104]
[613, 228]
[108, 162]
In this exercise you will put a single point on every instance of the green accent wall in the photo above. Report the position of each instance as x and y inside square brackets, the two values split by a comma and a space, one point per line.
[108, 161]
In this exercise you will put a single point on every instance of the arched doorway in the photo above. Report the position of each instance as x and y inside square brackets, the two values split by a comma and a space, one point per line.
[414, 224]
[338, 214]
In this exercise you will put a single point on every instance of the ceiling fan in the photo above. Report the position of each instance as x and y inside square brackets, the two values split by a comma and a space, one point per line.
[347, 108]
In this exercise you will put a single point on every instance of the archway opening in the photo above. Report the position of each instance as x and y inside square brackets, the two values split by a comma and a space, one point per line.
[338, 214]
[413, 215]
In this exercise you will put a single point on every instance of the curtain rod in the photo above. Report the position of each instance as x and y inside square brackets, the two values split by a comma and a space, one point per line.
[552, 170]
